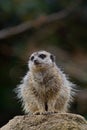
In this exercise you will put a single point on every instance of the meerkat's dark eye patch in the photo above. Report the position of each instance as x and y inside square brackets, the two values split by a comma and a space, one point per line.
[42, 56]
[52, 57]
[32, 58]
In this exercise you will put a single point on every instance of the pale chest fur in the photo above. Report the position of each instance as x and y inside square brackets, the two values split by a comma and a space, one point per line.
[38, 83]
[45, 84]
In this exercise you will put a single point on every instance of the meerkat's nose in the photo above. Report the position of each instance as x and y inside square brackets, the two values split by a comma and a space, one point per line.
[36, 62]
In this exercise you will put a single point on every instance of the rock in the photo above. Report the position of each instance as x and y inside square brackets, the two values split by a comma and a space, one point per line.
[65, 121]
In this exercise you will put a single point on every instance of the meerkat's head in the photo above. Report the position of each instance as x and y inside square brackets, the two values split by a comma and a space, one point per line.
[41, 60]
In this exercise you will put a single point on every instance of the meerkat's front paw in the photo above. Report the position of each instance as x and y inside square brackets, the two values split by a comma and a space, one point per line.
[49, 112]
[41, 113]
[45, 113]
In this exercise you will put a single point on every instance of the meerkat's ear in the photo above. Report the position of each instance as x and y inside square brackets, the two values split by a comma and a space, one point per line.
[52, 57]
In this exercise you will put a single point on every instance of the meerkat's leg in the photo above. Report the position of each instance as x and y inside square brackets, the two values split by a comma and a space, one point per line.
[62, 103]
[51, 106]
[41, 107]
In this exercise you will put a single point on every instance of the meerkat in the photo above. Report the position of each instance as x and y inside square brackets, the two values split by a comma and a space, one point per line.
[45, 88]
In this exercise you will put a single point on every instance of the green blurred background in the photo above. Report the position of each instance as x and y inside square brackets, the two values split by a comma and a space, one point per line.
[58, 26]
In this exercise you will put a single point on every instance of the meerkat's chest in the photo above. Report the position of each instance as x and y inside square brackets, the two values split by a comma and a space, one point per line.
[42, 84]
[45, 90]
[39, 85]
[45, 82]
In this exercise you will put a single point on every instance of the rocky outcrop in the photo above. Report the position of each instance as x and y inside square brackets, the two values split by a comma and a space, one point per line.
[55, 121]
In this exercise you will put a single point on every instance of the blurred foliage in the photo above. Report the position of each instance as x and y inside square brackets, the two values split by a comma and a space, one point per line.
[65, 37]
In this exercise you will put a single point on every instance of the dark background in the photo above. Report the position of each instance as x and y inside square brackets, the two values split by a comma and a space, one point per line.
[58, 26]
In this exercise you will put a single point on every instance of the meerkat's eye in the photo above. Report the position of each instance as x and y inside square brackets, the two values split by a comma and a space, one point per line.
[52, 58]
[32, 58]
[42, 56]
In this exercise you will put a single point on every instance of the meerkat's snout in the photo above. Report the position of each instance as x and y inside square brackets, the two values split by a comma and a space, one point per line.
[36, 62]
